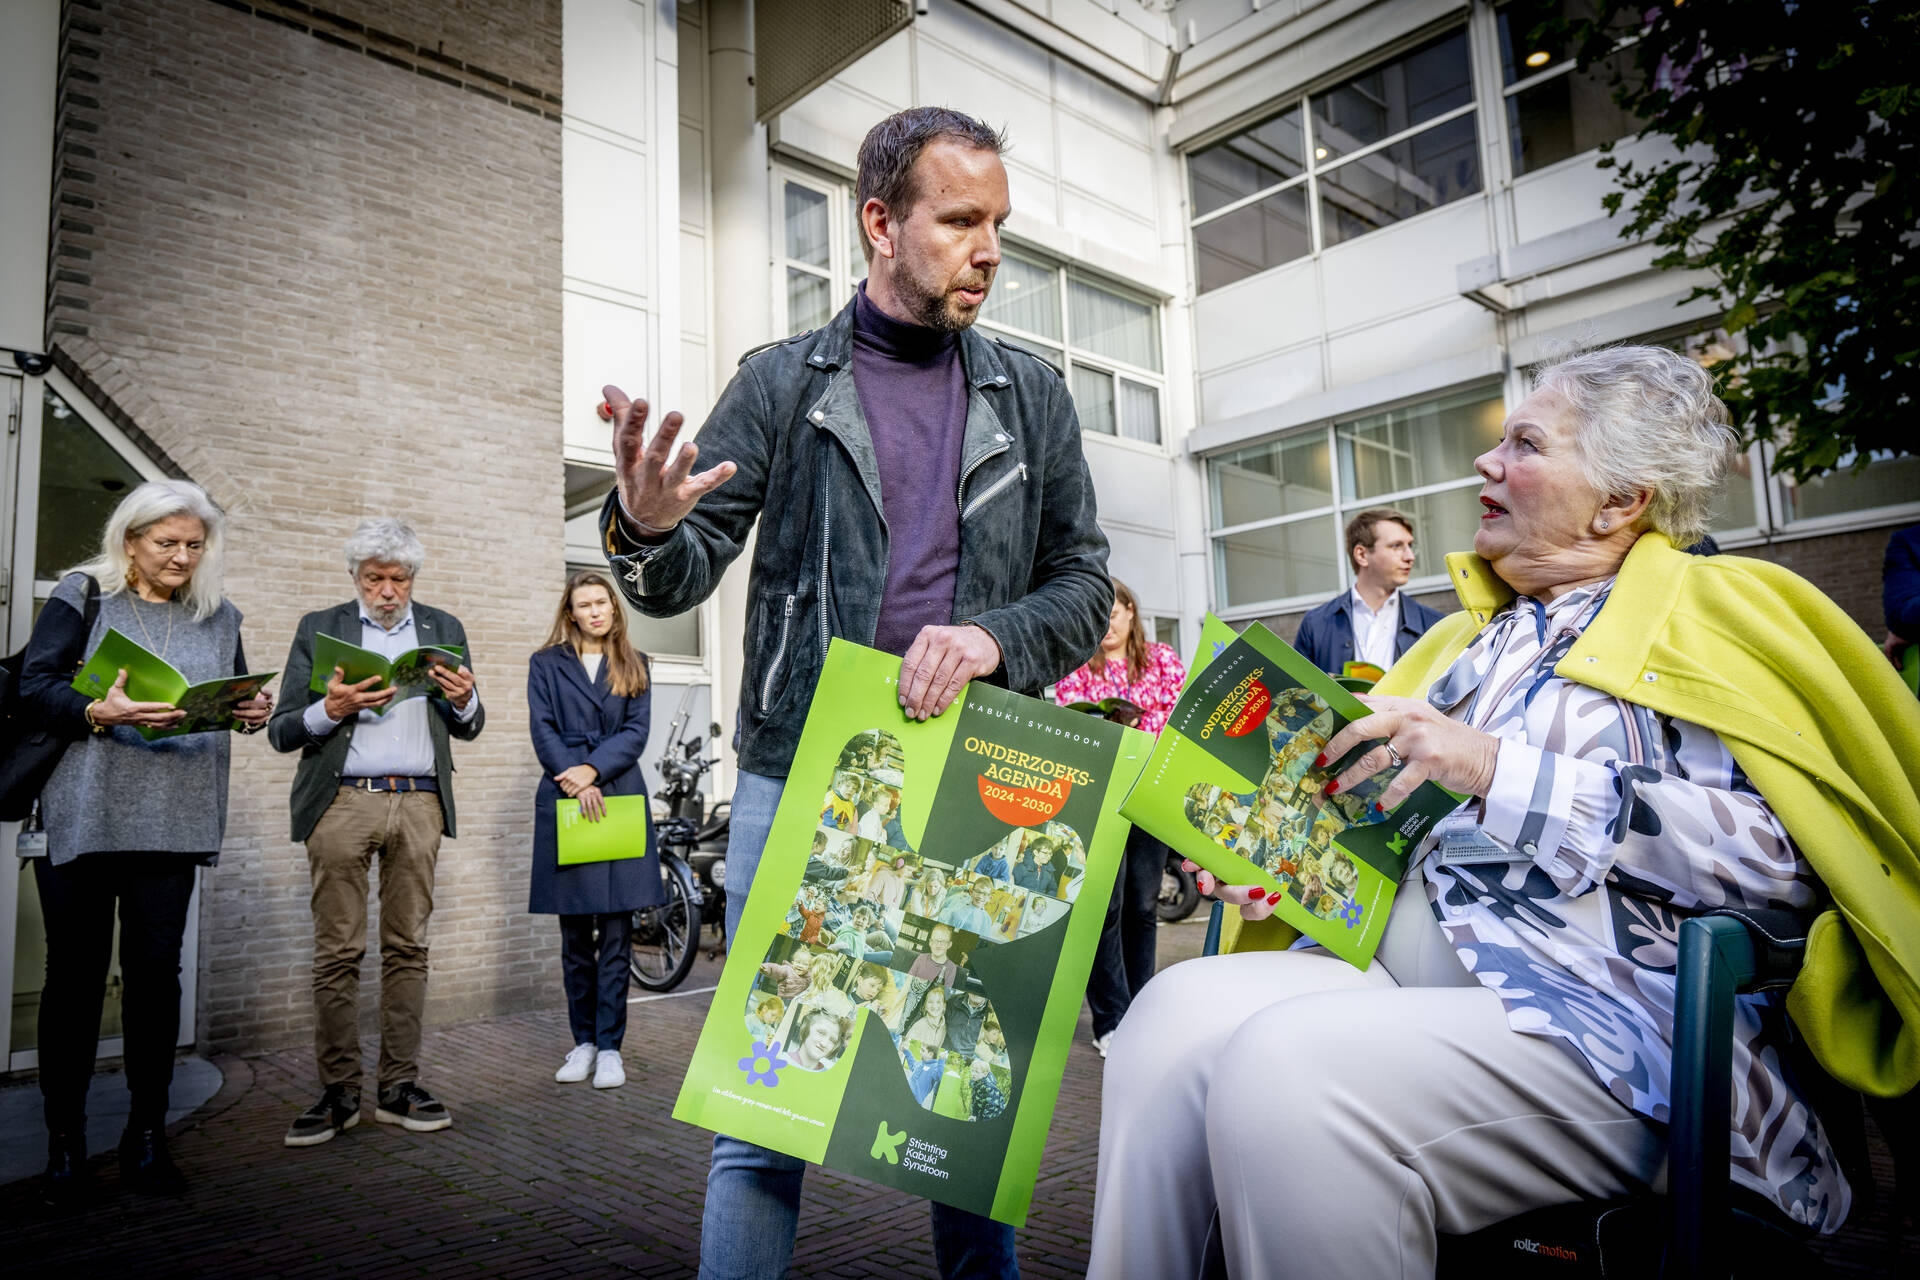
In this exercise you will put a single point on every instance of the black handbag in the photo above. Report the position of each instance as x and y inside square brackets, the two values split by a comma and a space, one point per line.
[29, 752]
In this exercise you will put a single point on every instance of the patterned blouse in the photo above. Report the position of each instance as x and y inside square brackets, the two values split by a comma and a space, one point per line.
[1625, 822]
[1155, 692]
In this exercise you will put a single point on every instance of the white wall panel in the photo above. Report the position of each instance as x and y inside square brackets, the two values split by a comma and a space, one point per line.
[1096, 99]
[1448, 329]
[1132, 485]
[604, 342]
[1100, 163]
[604, 51]
[1401, 267]
[693, 175]
[970, 35]
[885, 72]
[1268, 312]
[1261, 384]
[1147, 563]
[693, 283]
[958, 82]
[1035, 196]
[607, 230]
[1092, 220]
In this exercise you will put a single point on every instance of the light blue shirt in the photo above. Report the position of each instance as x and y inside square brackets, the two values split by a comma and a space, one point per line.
[400, 743]
[964, 915]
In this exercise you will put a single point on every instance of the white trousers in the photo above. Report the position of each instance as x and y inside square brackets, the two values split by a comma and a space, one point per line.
[1339, 1119]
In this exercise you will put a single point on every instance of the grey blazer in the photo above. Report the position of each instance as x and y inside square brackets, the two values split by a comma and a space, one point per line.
[317, 780]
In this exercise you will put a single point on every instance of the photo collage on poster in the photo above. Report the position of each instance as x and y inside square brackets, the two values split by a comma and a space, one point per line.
[1288, 825]
[877, 926]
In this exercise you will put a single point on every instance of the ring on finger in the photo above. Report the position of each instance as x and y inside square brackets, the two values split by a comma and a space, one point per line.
[1394, 759]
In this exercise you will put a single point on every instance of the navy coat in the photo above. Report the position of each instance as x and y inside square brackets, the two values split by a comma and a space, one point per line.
[579, 721]
[1325, 637]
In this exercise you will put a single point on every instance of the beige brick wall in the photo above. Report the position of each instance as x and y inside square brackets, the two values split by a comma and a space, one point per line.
[329, 287]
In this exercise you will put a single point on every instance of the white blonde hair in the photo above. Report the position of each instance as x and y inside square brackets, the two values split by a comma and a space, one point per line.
[384, 540]
[1648, 419]
[139, 511]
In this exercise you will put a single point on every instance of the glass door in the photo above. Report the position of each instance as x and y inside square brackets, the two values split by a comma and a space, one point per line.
[64, 468]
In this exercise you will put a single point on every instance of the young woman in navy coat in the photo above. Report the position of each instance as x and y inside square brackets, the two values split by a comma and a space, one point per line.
[587, 692]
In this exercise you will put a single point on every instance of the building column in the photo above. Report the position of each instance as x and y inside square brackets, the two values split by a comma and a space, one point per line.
[742, 306]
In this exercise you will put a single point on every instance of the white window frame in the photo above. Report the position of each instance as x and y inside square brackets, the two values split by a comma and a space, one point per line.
[839, 273]
[841, 278]
[1072, 357]
[1315, 169]
[1342, 508]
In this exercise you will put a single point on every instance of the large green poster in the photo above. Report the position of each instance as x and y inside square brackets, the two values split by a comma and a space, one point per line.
[900, 997]
[1233, 784]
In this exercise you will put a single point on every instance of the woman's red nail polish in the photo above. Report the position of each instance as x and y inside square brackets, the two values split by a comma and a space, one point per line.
[1273, 896]
[1379, 808]
[1320, 761]
[1333, 785]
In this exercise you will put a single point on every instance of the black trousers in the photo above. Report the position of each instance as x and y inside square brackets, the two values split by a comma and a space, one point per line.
[596, 974]
[77, 901]
[1125, 958]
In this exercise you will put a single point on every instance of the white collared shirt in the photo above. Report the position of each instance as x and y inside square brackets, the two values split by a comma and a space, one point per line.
[1373, 632]
[400, 743]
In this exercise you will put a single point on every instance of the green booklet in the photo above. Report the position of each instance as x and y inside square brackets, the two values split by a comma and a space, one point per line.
[905, 982]
[1233, 786]
[150, 678]
[411, 673]
[621, 833]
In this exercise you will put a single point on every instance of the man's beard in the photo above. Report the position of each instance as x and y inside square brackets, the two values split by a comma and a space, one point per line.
[932, 306]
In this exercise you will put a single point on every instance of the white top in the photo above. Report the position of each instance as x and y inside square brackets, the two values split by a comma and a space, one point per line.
[1373, 633]
[591, 661]
[399, 743]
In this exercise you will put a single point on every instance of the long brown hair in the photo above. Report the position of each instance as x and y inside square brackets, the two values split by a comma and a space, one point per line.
[626, 670]
[1136, 638]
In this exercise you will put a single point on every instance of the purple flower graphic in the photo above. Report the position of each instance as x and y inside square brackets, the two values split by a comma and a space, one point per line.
[762, 1063]
[1351, 914]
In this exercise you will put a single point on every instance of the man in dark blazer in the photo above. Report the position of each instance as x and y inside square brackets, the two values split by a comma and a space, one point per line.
[1380, 547]
[375, 778]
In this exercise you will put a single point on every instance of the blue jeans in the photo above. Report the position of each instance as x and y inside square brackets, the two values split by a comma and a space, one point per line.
[752, 1210]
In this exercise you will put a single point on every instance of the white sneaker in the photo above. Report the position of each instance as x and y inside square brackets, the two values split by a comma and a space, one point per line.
[577, 1067]
[1100, 1043]
[607, 1071]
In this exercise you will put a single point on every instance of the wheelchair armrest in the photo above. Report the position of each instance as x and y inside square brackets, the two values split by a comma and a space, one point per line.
[1722, 954]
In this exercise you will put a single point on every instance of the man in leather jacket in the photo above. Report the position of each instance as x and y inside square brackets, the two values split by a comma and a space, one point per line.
[920, 489]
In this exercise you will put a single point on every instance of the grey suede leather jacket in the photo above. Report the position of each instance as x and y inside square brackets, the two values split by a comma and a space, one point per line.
[1033, 561]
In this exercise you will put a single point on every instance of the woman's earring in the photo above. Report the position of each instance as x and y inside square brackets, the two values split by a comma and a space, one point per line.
[133, 577]
[1603, 526]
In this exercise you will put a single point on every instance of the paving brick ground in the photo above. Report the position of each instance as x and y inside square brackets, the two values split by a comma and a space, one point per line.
[541, 1180]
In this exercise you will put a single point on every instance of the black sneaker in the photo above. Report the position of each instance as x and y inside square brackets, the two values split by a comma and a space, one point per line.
[146, 1166]
[408, 1104]
[65, 1182]
[338, 1108]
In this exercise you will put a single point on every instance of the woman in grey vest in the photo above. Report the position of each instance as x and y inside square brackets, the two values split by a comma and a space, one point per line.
[128, 820]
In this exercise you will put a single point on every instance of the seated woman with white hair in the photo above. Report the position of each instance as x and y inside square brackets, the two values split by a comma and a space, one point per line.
[128, 821]
[1645, 735]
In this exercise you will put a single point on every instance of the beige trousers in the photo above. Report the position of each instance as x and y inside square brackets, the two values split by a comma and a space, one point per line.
[1338, 1119]
[401, 829]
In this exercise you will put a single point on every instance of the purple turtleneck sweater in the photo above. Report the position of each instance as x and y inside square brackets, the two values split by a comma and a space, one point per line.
[913, 392]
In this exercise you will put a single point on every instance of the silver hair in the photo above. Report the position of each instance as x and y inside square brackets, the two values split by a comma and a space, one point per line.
[1648, 419]
[139, 511]
[384, 540]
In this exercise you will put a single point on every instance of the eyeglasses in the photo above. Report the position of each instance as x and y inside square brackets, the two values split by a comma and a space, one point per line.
[170, 547]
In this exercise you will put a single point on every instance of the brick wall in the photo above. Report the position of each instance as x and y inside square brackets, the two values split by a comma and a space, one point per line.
[326, 286]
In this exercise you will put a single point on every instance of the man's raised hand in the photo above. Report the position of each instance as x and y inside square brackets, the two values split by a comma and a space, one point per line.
[656, 493]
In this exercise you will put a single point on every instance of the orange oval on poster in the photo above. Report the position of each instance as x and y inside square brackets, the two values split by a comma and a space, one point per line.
[1259, 701]
[1025, 806]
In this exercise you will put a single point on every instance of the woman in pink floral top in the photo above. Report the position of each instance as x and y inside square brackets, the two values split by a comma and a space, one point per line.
[1148, 675]
[1129, 666]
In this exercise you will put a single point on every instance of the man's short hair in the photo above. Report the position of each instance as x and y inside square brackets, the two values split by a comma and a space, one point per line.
[1360, 529]
[891, 147]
